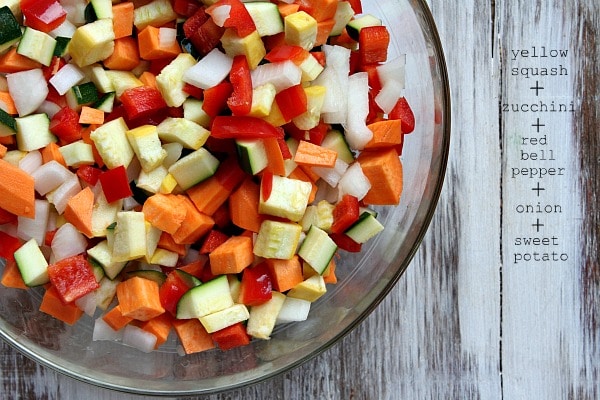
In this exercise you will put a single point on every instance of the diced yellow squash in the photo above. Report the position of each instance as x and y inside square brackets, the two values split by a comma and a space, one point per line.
[156, 13]
[277, 239]
[310, 289]
[147, 147]
[130, 236]
[315, 96]
[262, 100]
[251, 46]
[190, 134]
[112, 144]
[92, 42]
[170, 80]
[300, 29]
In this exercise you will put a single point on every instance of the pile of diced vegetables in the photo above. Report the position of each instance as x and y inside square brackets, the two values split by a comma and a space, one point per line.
[192, 167]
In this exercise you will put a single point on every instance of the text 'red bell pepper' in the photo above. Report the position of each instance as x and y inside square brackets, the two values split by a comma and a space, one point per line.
[43, 15]
[240, 101]
[256, 286]
[115, 184]
[242, 127]
[72, 278]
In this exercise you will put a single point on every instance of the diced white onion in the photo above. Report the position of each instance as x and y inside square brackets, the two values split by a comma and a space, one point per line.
[167, 37]
[49, 108]
[326, 192]
[50, 176]
[282, 75]
[61, 195]
[139, 338]
[293, 310]
[35, 228]
[334, 97]
[66, 29]
[87, 303]
[103, 331]
[31, 161]
[66, 77]
[354, 182]
[75, 10]
[28, 90]
[357, 132]
[338, 59]
[392, 70]
[331, 175]
[220, 14]
[67, 242]
[388, 96]
[209, 71]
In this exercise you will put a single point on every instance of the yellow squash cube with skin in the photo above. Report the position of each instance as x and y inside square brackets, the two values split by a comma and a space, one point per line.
[145, 143]
[156, 13]
[170, 80]
[315, 97]
[251, 46]
[188, 133]
[263, 97]
[130, 236]
[288, 199]
[300, 29]
[92, 42]
[112, 144]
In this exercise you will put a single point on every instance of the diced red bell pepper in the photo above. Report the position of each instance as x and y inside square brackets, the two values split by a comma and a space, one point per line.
[239, 17]
[49, 237]
[43, 15]
[356, 6]
[186, 8]
[65, 125]
[195, 21]
[72, 278]
[345, 213]
[243, 127]
[7, 217]
[344, 242]
[317, 134]
[266, 185]
[240, 101]
[193, 91]
[256, 286]
[404, 113]
[292, 102]
[55, 65]
[373, 42]
[231, 337]
[213, 239]
[206, 37]
[115, 184]
[283, 146]
[142, 101]
[89, 174]
[171, 290]
[285, 52]
[215, 98]
[8, 245]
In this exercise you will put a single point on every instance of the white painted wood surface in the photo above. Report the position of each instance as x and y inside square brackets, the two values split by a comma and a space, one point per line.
[465, 321]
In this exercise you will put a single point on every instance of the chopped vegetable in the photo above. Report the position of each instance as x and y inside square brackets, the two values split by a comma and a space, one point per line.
[193, 166]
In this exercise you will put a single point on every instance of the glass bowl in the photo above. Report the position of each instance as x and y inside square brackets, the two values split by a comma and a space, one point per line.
[363, 279]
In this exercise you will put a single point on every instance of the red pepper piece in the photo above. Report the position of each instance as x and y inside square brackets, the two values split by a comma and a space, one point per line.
[266, 186]
[43, 15]
[89, 174]
[49, 237]
[194, 22]
[215, 98]
[256, 286]
[142, 101]
[283, 146]
[7, 217]
[213, 239]
[8, 245]
[286, 52]
[72, 277]
[356, 6]
[239, 17]
[187, 8]
[345, 213]
[231, 337]
[65, 125]
[193, 91]
[174, 286]
[55, 65]
[373, 42]
[317, 134]
[243, 127]
[344, 242]
[291, 101]
[240, 101]
[207, 37]
[115, 184]
[403, 112]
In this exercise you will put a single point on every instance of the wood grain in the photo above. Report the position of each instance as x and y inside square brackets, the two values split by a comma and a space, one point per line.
[462, 323]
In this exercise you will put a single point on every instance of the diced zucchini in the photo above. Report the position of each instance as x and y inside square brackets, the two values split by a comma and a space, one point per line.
[317, 249]
[252, 155]
[266, 17]
[104, 214]
[288, 198]
[180, 130]
[106, 292]
[106, 102]
[192, 111]
[37, 45]
[8, 124]
[10, 30]
[112, 144]
[146, 145]
[365, 228]
[208, 298]
[156, 276]
[335, 140]
[293, 310]
[194, 168]
[102, 8]
[224, 318]
[77, 153]
[84, 94]
[120, 81]
[156, 13]
[151, 181]
[100, 78]
[319, 215]
[102, 254]
[170, 80]
[263, 317]
[92, 42]
[152, 238]
[277, 239]
[61, 46]
[33, 132]
[164, 257]
[32, 264]
[366, 20]
[310, 289]
[300, 29]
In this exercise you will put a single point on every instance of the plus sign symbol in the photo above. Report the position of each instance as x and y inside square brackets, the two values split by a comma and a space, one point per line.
[537, 88]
